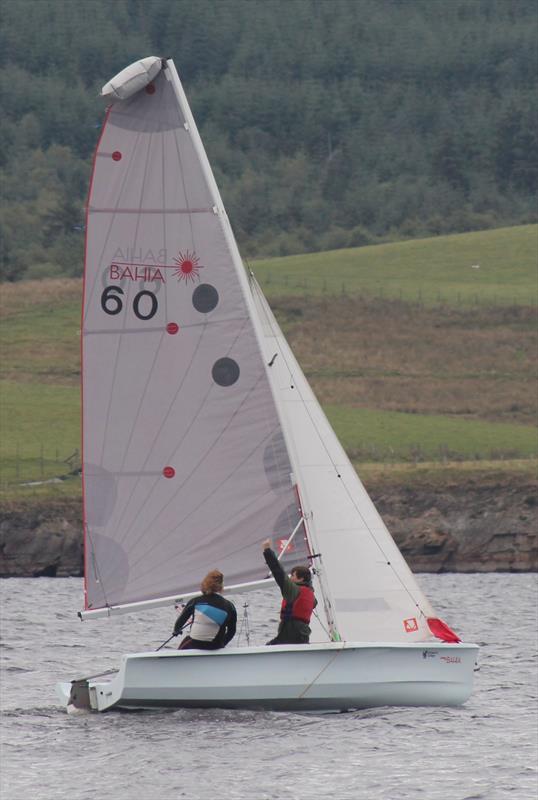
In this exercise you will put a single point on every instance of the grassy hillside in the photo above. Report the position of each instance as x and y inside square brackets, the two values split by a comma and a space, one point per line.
[40, 431]
[402, 382]
[395, 437]
[488, 267]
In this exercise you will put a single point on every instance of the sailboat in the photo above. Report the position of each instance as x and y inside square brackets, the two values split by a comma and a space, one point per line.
[202, 437]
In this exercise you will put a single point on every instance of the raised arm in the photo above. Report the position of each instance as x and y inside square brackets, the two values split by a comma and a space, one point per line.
[289, 590]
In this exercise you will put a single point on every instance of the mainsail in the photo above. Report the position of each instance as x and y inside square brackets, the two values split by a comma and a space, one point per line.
[185, 466]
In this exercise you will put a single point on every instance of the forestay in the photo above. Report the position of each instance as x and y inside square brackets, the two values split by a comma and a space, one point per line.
[184, 463]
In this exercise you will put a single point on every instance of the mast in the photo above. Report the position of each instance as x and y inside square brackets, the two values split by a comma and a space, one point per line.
[248, 297]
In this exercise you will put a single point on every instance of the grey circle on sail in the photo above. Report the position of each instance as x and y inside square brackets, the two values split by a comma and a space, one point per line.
[225, 371]
[205, 298]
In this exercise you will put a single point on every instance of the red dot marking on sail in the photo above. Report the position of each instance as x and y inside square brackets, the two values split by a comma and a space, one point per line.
[169, 472]
[116, 155]
[186, 266]
[172, 327]
[150, 89]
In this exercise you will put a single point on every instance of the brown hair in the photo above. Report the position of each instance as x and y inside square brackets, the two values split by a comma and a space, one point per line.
[303, 573]
[213, 582]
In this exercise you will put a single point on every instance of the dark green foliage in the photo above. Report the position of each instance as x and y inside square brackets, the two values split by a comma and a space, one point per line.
[329, 123]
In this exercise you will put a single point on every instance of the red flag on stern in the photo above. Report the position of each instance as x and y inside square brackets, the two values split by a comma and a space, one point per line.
[441, 630]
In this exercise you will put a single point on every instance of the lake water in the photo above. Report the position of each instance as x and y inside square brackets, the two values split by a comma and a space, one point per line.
[485, 749]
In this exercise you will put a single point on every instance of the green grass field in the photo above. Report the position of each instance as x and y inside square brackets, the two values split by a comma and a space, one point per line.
[440, 269]
[40, 431]
[39, 337]
[391, 436]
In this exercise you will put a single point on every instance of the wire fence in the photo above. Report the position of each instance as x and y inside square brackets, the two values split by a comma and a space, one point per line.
[316, 286]
[442, 453]
[30, 467]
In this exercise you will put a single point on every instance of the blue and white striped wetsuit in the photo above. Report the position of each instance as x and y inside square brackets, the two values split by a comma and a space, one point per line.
[214, 622]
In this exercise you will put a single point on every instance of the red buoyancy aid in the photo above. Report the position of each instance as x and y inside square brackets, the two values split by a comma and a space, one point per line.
[301, 608]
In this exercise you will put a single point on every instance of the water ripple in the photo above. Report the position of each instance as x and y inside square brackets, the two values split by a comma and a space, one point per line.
[485, 750]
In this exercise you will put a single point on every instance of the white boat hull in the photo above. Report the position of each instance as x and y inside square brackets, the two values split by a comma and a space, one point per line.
[336, 676]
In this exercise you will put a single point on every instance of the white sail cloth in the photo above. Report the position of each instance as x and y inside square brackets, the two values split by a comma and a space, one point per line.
[185, 467]
[192, 444]
[374, 594]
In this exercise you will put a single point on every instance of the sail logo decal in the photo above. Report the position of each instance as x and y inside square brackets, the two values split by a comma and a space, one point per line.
[282, 544]
[188, 267]
[121, 271]
[410, 625]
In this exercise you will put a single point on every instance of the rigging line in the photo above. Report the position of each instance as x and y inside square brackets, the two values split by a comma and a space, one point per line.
[230, 523]
[157, 435]
[120, 340]
[346, 489]
[322, 670]
[177, 446]
[184, 554]
[324, 629]
[95, 565]
[284, 470]
[182, 130]
[194, 470]
[99, 272]
[275, 334]
[229, 553]
[290, 538]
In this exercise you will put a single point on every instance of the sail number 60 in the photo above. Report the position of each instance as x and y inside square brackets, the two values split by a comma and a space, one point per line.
[112, 302]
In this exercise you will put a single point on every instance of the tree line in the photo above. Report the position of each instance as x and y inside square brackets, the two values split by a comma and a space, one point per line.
[328, 123]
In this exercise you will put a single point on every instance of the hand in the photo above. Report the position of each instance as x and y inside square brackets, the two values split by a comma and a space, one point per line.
[266, 545]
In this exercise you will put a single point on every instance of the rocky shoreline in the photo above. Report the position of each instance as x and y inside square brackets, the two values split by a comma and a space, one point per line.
[484, 526]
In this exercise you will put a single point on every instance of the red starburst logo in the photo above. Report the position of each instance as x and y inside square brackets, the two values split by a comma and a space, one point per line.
[188, 267]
